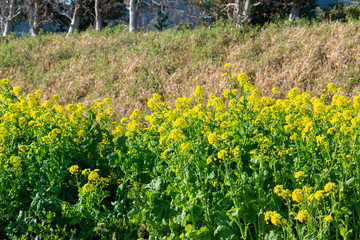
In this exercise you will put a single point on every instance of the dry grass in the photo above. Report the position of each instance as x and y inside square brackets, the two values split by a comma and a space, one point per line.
[129, 68]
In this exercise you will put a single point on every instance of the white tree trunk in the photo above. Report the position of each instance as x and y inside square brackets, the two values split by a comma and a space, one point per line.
[9, 21]
[98, 16]
[33, 32]
[34, 24]
[238, 4]
[247, 11]
[8, 27]
[295, 11]
[75, 22]
[133, 16]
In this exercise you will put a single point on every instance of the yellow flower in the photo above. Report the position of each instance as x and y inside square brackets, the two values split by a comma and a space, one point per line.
[133, 125]
[104, 181]
[88, 187]
[212, 138]
[236, 151]
[319, 139]
[23, 148]
[180, 123]
[226, 93]
[38, 92]
[15, 160]
[222, 154]
[299, 174]
[81, 133]
[274, 217]
[297, 195]
[243, 78]
[331, 87]
[136, 114]
[86, 171]
[94, 176]
[331, 130]
[209, 160]
[55, 98]
[302, 215]
[329, 218]
[70, 107]
[281, 192]
[319, 194]
[107, 101]
[30, 97]
[227, 65]
[185, 147]
[199, 92]
[176, 134]
[275, 90]
[74, 169]
[293, 93]
[278, 189]
[22, 122]
[330, 187]
[311, 197]
[17, 91]
[124, 119]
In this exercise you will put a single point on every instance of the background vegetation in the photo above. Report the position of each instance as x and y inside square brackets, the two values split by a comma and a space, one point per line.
[130, 67]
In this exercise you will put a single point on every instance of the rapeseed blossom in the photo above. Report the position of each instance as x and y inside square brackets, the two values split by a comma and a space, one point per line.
[275, 218]
[297, 195]
[302, 215]
[74, 169]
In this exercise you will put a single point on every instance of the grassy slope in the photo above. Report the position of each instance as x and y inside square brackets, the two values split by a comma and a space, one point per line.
[130, 67]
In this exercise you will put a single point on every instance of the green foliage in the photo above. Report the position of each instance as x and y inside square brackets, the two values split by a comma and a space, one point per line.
[238, 167]
[340, 12]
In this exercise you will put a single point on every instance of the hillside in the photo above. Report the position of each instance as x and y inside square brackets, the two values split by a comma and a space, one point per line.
[130, 67]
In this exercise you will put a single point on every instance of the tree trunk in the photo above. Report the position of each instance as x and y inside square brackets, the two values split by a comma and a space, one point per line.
[8, 27]
[34, 24]
[75, 22]
[133, 16]
[295, 11]
[9, 21]
[98, 16]
[247, 11]
[33, 32]
[238, 4]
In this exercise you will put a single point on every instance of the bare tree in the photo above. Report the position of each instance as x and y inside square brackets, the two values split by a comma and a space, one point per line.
[247, 11]
[238, 11]
[133, 6]
[9, 10]
[98, 14]
[37, 12]
[99, 9]
[151, 6]
[295, 10]
[72, 10]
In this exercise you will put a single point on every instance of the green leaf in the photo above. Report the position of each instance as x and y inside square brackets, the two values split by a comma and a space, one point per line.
[351, 180]
[224, 232]
[135, 216]
[161, 209]
[112, 159]
[272, 236]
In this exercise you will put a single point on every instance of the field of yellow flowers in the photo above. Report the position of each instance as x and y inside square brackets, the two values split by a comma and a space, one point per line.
[237, 166]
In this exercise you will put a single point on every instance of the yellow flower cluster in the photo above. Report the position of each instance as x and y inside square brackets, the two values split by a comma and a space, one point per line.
[74, 169]
[275, 218]
[302, 215]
